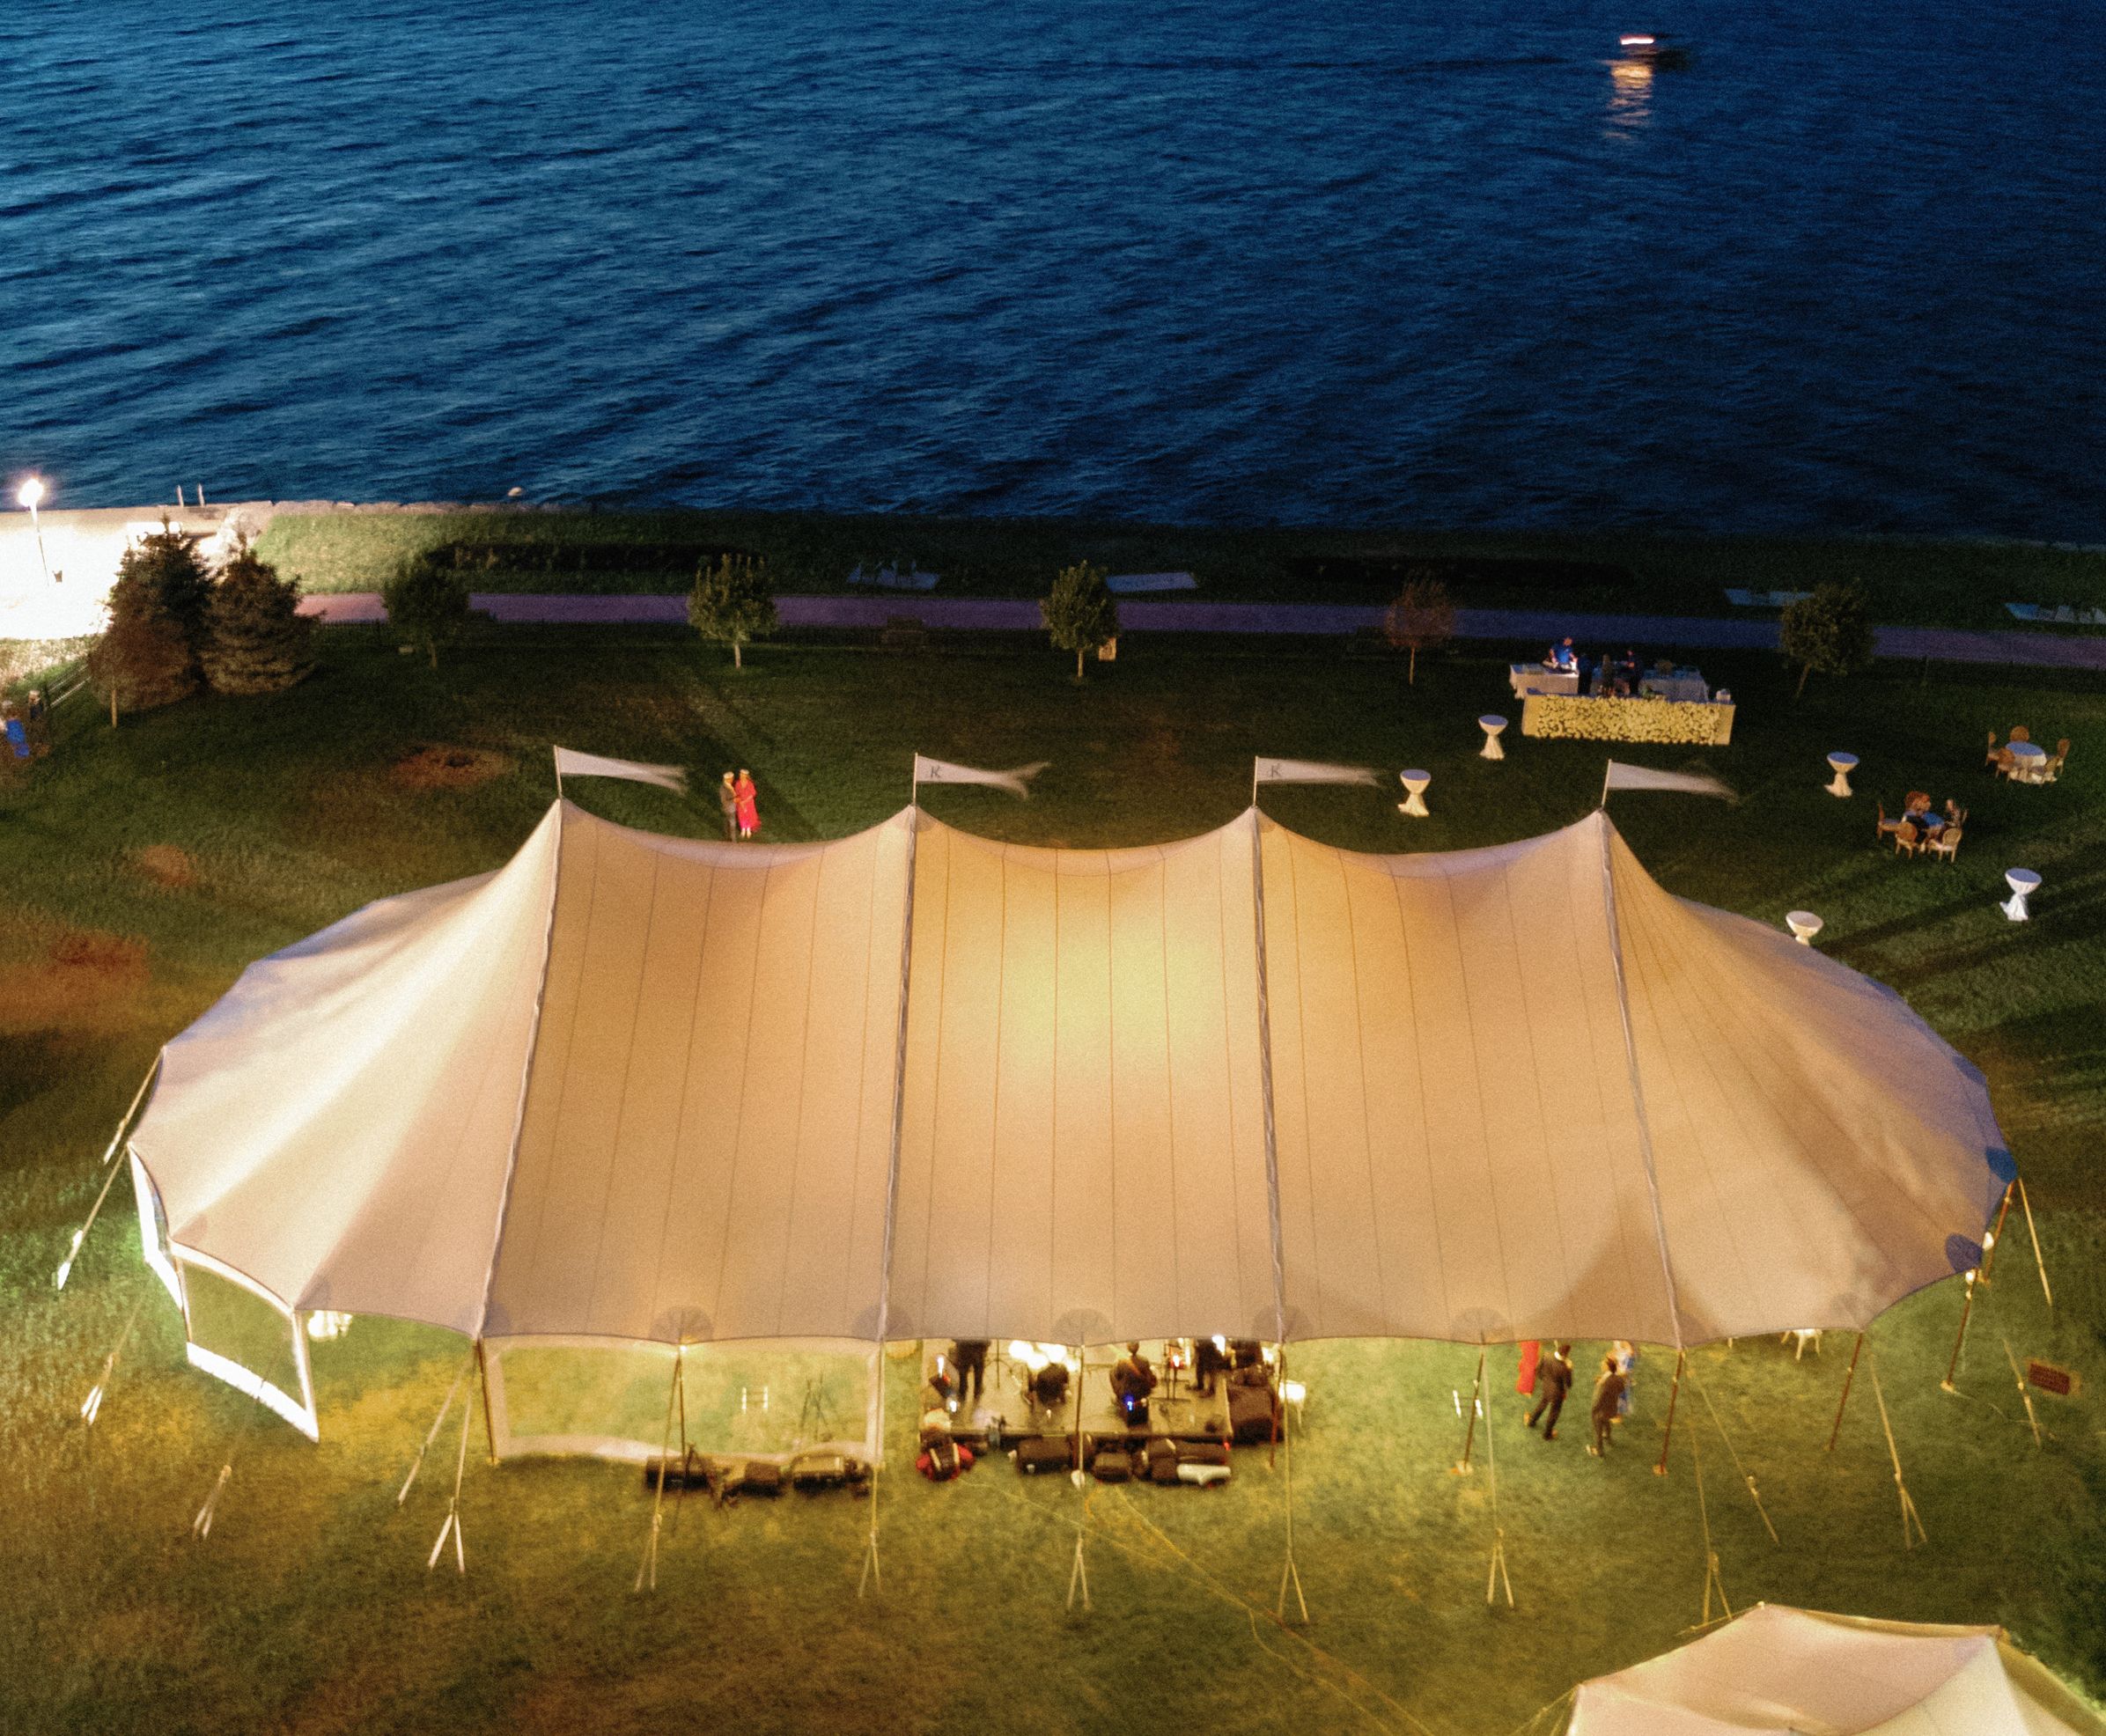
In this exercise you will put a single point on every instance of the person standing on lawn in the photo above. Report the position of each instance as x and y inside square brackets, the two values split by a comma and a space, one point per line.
[727, 798]
[1609, 1391]
[1553, 1381]
[747, 800]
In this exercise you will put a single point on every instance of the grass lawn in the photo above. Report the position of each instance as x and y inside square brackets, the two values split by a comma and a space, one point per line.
[144, 866]
[1910, 582]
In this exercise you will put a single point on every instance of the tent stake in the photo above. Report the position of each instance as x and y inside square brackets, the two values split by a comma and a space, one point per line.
[1079, 1576]
[2025, 1397]
[1674, 1393]
[1909, 1515]
[1850, 1375]
[1462, 1465]
[65, 1266]
[1959, 1340]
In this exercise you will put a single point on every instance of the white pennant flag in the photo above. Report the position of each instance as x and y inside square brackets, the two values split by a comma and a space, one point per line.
[1310, 771]
[1016, 780]
[1622, 776]
[570, 763]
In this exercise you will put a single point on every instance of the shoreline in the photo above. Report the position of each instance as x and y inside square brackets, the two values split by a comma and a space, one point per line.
[527, 547]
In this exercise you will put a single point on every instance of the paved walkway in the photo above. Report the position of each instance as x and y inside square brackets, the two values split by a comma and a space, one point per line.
[2038, 650]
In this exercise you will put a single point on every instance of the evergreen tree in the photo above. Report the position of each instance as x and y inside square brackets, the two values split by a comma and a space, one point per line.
[256, 639]
[165, 567]
[143, 659]
[1079, 612]
[1829, 630]
[427, 603]
[733, 603]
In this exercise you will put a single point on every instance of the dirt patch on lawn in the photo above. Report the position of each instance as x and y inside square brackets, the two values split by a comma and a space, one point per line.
[167, 866]
[84, 980]
[444, 767]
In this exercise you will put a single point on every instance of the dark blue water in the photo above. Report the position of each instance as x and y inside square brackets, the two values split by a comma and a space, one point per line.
[1224, 261]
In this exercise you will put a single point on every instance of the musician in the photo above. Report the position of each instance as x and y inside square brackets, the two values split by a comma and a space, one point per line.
[1209, 1363]
[1132, 1380]
[1049, 1385]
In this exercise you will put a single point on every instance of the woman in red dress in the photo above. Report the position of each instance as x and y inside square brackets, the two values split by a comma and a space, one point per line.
[748, 800]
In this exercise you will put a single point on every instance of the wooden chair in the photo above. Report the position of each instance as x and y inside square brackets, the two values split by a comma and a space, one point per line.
[1918, 802]
[1990, 761]
[1946, 843]
[1886, 825]
[2004, 761]
[2020, 733]
[1907, 840]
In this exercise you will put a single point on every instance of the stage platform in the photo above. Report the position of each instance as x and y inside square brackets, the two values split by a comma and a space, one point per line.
[1178, 1414]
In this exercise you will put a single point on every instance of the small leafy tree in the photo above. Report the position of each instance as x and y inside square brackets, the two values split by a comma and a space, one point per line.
[143, 659]
[1829, 629]
[1421, 618]
[1079, 612]
[733, 603]
[256, 640]
[427, 603]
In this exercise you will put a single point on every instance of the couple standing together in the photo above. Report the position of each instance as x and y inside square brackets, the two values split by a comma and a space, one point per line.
[741, 804]
[1553, 1380]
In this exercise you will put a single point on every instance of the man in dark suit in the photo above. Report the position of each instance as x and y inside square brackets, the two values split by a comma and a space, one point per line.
[1553, 1381]
[969, 1357]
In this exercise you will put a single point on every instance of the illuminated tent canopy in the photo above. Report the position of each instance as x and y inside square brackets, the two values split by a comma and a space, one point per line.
[636, 1090]
[1782, 1670]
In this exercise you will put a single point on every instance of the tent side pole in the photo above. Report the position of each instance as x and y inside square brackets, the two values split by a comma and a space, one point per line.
[1996, 1236]
[2040, 1264]
[1850, 1375]
[872, 1573]
[1645, 1127]
[1952, 1368]
[489, 1426]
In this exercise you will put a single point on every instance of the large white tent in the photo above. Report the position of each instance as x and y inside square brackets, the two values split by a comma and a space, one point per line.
[1799, 1673]
[631, 1089]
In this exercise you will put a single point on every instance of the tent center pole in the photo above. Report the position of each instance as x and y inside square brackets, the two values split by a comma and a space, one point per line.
[1469, 1435]
[1668, 1435]
[1850, 1375]
[1497, 1574]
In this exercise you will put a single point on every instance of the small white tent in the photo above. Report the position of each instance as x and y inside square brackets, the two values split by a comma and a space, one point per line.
[636, 1090]
[1797, 1673]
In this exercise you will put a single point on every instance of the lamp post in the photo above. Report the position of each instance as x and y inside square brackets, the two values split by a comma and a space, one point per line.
[31, 494]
